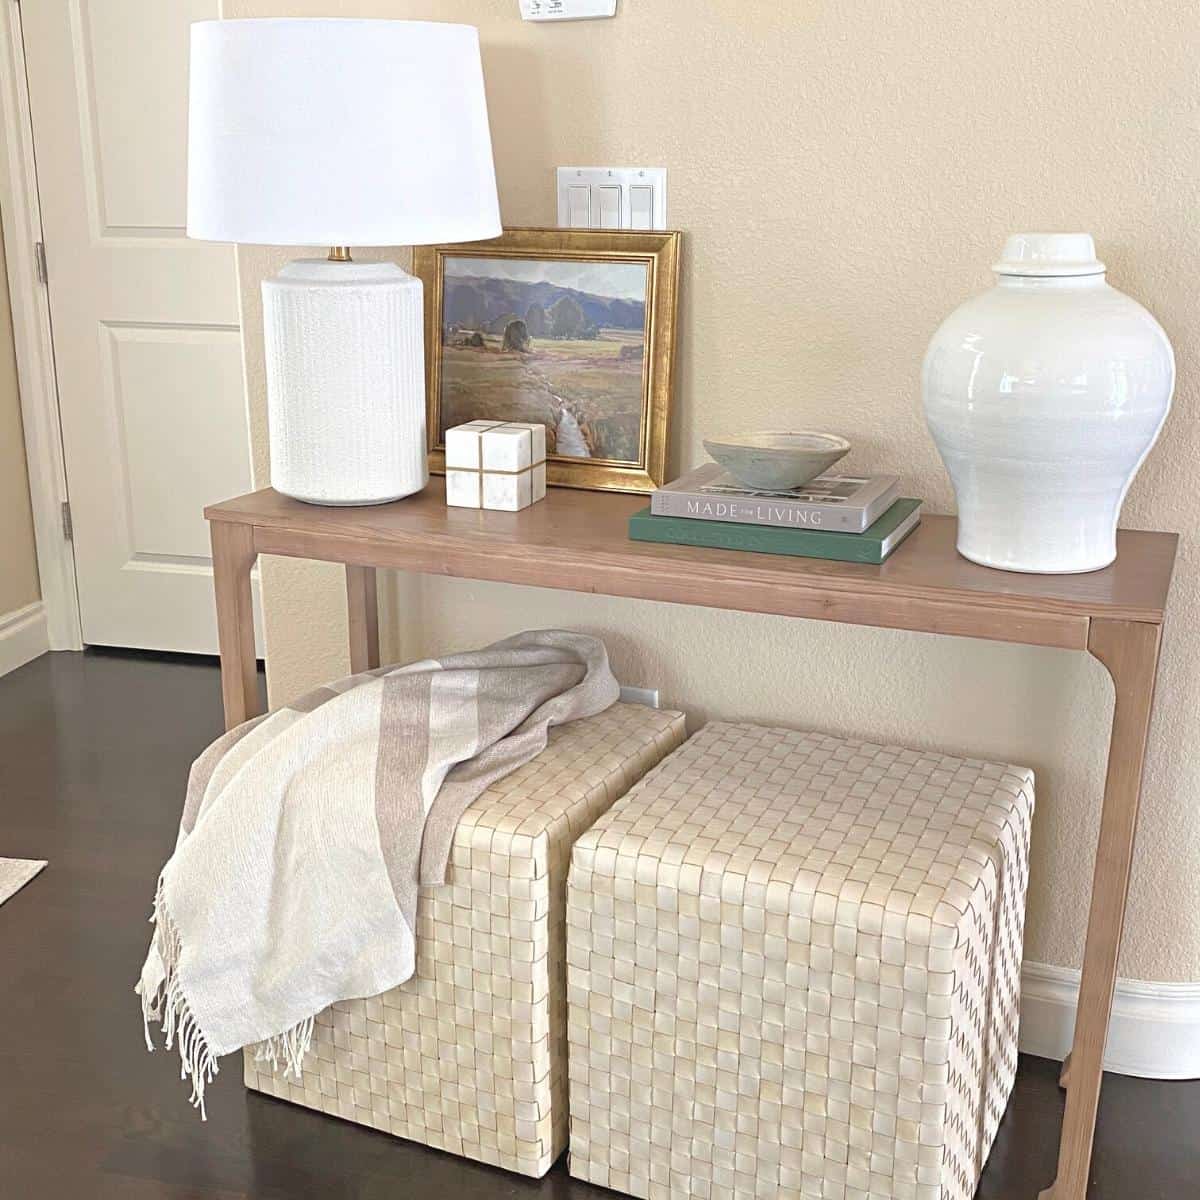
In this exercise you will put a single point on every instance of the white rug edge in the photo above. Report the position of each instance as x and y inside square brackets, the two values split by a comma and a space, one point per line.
[15, 873]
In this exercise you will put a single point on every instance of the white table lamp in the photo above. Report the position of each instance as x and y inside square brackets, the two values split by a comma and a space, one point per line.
[339, 133]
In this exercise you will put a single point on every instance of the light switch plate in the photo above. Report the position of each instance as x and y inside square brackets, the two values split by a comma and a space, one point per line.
[567, 10]
[612, 197]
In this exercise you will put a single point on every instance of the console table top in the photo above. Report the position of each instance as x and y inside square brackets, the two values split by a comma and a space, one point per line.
[578, 541]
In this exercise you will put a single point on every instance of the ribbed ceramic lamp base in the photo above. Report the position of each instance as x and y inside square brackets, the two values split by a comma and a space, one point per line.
[345, 382]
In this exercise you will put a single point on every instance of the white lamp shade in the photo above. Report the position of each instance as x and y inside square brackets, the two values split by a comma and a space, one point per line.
[339, 133]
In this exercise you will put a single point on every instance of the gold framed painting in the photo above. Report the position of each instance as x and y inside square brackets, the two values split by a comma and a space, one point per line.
[571, 328]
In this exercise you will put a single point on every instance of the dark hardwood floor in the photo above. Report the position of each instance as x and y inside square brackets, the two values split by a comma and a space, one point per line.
[94, 751]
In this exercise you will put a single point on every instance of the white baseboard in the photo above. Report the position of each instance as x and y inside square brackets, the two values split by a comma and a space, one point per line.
[23, 636]
[1154, 1032]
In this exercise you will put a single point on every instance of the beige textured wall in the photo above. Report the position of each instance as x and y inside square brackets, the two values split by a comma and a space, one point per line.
[844, 174]
[18, 554]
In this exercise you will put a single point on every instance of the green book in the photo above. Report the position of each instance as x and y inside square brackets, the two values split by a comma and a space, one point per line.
[873, 545]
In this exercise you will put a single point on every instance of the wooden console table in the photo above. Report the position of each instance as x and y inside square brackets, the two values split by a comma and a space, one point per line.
[576, 541]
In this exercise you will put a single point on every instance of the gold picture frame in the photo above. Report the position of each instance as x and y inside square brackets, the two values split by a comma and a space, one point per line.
[599, 366]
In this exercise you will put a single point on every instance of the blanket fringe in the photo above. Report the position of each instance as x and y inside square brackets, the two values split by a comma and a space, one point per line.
[168, 1004]
[288, 1047]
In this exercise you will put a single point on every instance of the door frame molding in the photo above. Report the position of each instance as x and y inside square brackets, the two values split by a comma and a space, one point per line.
[32, 335]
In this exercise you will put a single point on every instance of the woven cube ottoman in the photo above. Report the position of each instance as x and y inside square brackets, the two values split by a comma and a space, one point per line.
[793, 970]
[470, 1054]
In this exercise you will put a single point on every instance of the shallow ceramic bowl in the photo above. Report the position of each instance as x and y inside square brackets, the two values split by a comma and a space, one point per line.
[776, 461]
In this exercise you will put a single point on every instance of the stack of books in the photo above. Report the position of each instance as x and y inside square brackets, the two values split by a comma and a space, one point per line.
[842, 517]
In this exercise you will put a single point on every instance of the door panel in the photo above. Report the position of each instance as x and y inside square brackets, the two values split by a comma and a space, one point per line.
[130, 109]
[146, 336]
[174, 386]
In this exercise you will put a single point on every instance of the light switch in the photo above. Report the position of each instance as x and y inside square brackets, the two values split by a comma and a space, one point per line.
[608, 207]
[579, 206]
[612, 197]
[641, 206]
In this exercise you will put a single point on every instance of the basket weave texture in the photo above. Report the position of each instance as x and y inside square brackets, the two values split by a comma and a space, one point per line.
[469, 1055]
[793, 971]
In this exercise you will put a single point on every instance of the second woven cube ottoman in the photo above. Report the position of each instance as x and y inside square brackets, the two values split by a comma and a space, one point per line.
[470, 1054]
[793, 970]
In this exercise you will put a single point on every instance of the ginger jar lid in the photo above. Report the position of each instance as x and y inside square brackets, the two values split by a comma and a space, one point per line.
[1049, 254]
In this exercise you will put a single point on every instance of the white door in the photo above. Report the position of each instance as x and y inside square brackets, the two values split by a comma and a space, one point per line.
[146, 339]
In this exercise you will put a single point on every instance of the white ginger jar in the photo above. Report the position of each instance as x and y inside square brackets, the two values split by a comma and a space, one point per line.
[1043, 395]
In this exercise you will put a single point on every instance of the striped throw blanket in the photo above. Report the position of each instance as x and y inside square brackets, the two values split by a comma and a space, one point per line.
[306, 833]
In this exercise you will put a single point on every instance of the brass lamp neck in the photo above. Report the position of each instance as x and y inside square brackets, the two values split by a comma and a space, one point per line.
[339, 254]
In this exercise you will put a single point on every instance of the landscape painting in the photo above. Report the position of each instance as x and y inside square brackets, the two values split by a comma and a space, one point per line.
[557, 341]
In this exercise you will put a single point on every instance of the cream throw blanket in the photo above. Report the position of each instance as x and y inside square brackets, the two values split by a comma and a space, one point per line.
[306, 833]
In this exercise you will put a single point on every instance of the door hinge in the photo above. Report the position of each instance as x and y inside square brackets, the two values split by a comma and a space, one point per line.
[39, 253]
[68, 527]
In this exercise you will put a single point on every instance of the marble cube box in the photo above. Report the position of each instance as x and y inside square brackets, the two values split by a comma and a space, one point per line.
[495, 464]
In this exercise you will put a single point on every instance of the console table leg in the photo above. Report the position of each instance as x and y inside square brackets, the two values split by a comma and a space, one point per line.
[1129, 650]
[362, 605]
[233, 556]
